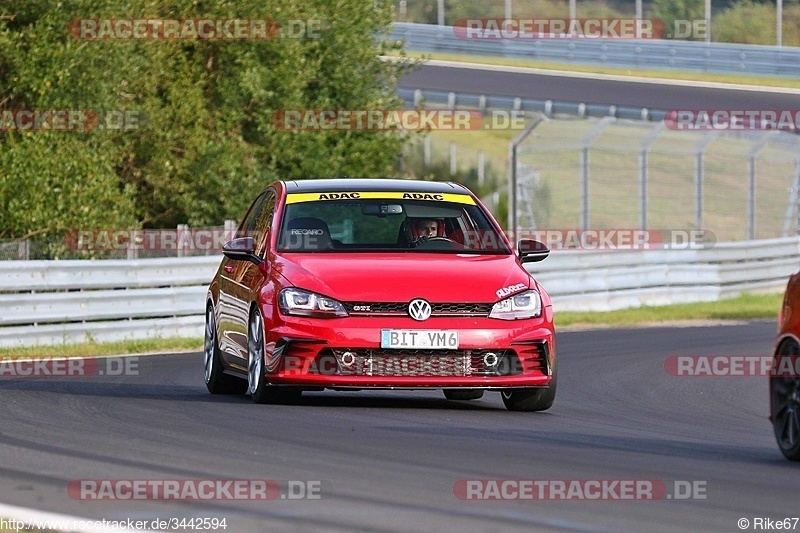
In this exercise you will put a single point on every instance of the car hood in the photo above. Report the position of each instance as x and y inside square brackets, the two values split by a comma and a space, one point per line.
[380, 278]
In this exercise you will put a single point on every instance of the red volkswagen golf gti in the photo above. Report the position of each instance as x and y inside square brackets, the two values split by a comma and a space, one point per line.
[353, 284]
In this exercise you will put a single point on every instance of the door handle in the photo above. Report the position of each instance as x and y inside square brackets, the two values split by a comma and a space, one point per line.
[228, 269]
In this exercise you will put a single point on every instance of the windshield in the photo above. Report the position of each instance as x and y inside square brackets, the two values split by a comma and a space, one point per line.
[389, 223]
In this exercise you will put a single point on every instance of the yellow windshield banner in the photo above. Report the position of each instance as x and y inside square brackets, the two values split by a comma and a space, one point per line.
[294, 198]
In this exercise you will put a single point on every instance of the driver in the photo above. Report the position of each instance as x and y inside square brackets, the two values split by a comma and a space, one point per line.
[425, 228]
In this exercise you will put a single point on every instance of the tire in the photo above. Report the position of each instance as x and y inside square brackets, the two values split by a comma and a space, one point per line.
[257, 386]
[216, 380]
[785, 406]
[531, 399]
[463, 394]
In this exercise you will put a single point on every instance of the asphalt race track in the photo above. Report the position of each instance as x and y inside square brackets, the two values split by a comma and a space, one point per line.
[595, 91]
[388, 460]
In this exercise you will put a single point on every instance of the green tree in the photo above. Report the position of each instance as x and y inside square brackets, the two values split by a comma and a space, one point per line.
[669, 11]
[754, 23]
[206, 143]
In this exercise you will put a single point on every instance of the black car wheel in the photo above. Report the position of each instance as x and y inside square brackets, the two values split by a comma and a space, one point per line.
[257, 386]
[531, 399]
[785, 401]
[216, 380]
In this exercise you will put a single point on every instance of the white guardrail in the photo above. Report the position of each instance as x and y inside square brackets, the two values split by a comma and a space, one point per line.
[55, 302]
[725, 58]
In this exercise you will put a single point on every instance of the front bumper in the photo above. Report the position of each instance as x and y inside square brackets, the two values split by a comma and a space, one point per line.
[345, 353]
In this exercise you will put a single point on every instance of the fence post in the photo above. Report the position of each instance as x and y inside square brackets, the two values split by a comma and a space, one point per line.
[182, 232]
[131, 249]
[587, 143]
[585, 187]
[699, 177]
[426, 151]
[644, 150]
[643, 188]
[698, 189]
[481, 168]
[229, 230]
[512, 171]
[24, 250]
[751, 189]
[453, 161]
[751, 197]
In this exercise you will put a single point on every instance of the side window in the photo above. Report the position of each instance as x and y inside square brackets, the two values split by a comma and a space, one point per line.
[247, 225]
[263, 223]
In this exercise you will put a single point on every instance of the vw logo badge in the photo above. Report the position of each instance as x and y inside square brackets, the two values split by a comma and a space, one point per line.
[419, 309]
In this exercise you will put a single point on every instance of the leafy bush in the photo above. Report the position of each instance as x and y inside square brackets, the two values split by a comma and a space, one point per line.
[207, 144]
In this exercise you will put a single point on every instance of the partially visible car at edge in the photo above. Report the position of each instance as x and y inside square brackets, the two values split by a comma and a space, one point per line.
[784, 383]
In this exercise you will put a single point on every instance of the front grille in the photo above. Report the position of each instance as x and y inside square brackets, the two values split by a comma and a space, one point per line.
[401, 308]
[421, 363]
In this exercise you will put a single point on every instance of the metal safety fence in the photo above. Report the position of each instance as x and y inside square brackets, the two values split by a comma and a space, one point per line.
[618, 173]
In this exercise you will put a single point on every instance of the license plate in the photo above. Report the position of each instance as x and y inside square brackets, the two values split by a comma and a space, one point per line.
[419, 339]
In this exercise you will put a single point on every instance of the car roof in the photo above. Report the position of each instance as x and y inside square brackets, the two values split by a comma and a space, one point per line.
[373, 184]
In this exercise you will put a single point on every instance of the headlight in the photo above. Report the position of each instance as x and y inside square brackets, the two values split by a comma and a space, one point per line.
[526, 304]
[298, 302]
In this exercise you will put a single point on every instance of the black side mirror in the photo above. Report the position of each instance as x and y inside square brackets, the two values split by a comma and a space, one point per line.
[531, 251]
[242, 249]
